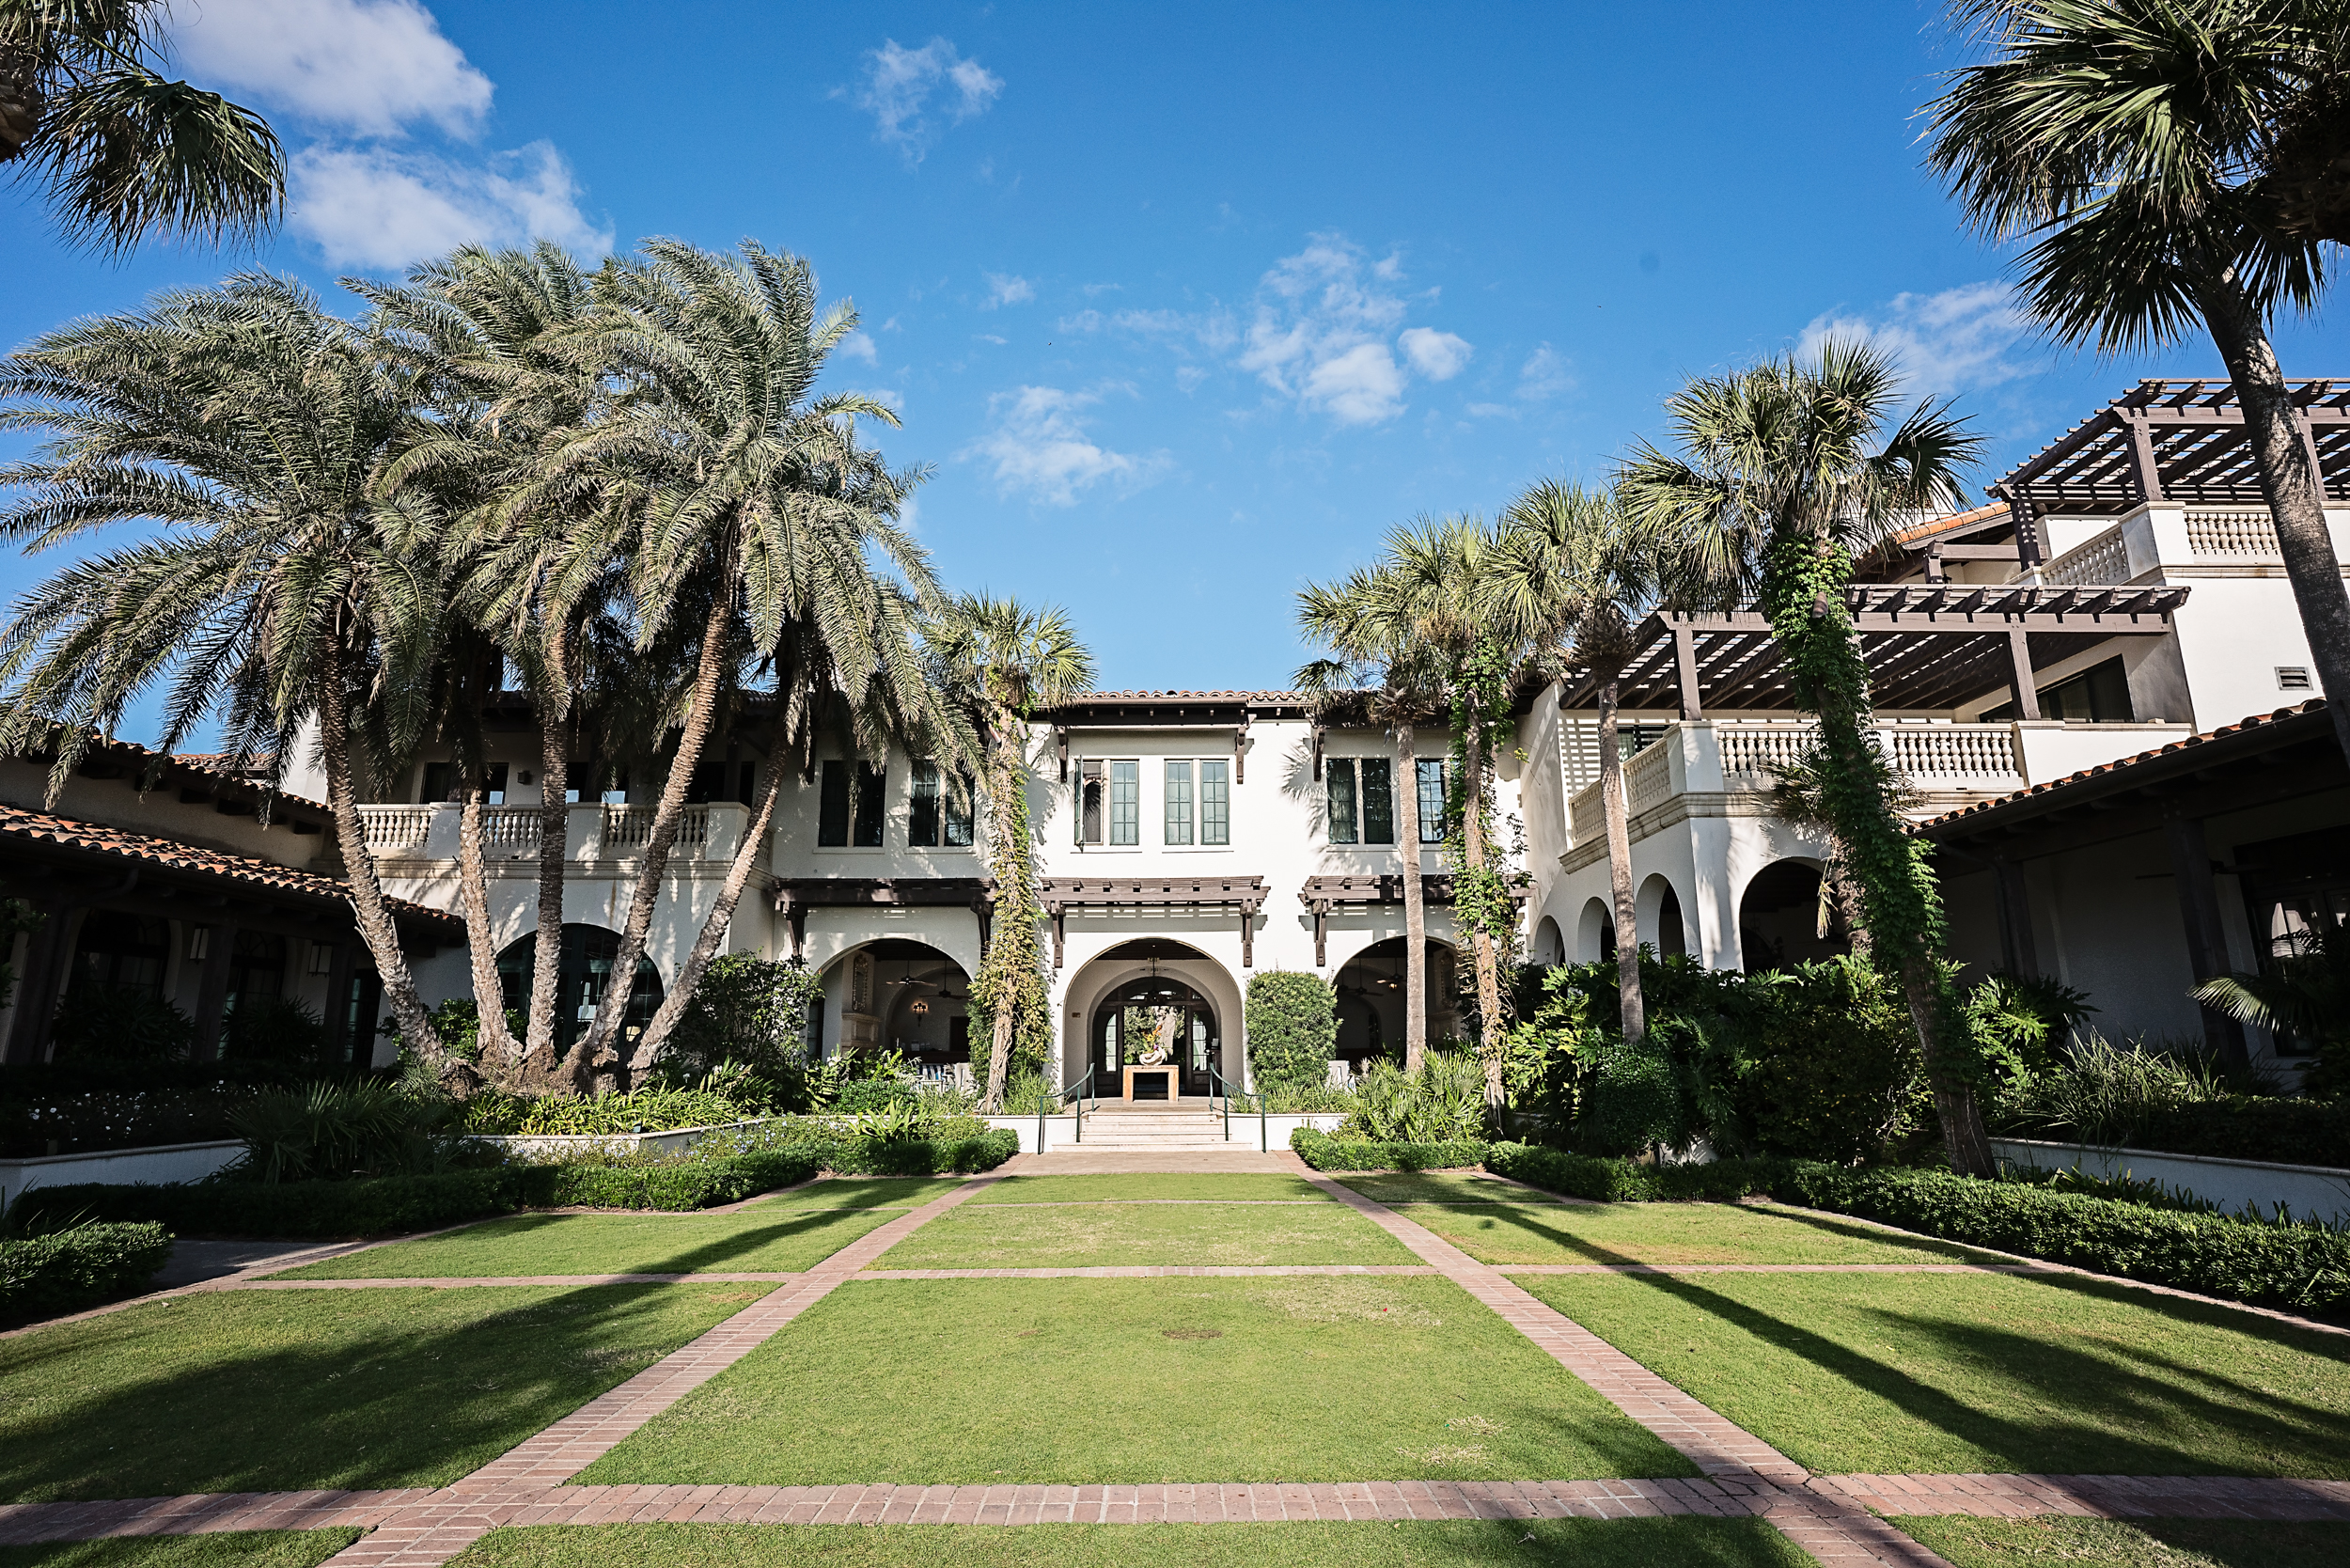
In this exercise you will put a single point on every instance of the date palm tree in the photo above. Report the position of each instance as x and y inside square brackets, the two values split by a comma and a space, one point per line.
[1572, 580]
[1002, 659]
[2169, 162]
[122, 153]
[1379, 666]
[1785, 472]
[250, 426]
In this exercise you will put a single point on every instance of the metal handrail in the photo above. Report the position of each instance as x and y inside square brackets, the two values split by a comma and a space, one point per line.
[1042, 1099]
[1217, 1081]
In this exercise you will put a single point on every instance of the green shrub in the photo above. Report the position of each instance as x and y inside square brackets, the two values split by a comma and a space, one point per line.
[745, 1009]
[382, 1207]
[273, 1029]
[1834, 1073]
[644, 1110]
[904, 1141]
[1633, 1101]
[65, 1270]
[1609, 1181]
[121, 1023]
[687, 1184]
[2100, 1093]
[1324, 1153]
[2253, 1127]
[336, 1129]
[1443, 1103]
[1292, 1025]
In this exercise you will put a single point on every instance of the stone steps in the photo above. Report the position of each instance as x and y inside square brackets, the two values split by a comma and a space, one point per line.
[1153, 1130]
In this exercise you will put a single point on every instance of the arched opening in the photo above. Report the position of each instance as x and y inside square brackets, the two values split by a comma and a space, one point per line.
[1158, 1002]
[1787, 916]
[1370, 997]
[581, 980]
[908, 997]
[1594, 932]
[1548, 947]
[1659, 909]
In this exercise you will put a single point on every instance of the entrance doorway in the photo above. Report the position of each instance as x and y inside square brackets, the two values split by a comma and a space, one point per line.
[1150, 1020]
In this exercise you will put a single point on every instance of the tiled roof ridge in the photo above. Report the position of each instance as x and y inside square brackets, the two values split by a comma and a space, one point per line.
[1223, 695]
[2251, 721]
[19, 821]
[1933, 526]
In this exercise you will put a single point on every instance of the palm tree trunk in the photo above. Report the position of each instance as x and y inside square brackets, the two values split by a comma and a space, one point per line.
[708, 673]
[2291, 483]
[539, 1055]
[369, 911]
[714, 927]
[1473, 850]
[501, 1057]
[1415, 906]
[1619, 826]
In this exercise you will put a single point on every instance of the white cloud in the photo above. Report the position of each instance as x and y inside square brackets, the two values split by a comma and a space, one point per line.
[857, 345]
[370, 68]
[1320, 328]
[905, 90]
[1038, 447]
[1544, 375]
[1188, 377]
[1959, 339]
[1437, 356]
[1007, 288]
[378, 210]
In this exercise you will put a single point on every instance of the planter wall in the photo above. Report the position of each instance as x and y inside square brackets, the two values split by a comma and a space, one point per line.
[162, 1162]
[1060, 1132]
[562, 1146]
[2309, 1191]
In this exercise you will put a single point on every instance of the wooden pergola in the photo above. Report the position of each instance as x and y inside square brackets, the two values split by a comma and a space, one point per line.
[1928, 645]
[2169, 440]
[795, 895]
[1246, 894]
[1325, 895]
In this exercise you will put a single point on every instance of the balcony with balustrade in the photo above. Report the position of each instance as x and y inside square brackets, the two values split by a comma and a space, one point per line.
[594, 834]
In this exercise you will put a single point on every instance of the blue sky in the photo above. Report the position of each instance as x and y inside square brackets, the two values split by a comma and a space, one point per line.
[1186, 305]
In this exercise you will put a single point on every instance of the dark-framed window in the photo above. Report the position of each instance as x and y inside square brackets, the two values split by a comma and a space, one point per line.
[118, 950]
[922, 806]
[1338, 775]
[441, 784]
[1432, 801]
[832, 806]
[1378, 786]
[1092, 787]
[848, 815]
[1215, 802]
[722, 781]
[873, 793]
[1125, 802]
[1179, 802]
[939, 815]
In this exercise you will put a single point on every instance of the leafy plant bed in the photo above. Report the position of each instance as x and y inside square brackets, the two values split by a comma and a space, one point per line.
[855, 1146]
[1982, 1373]
[1324, 1153]
[1418, 1543]
[1090, 1235]
[1672, 1234]
[283, 1391]
[2130, 1543]
[44, 1276]
[1111, 1189]
[235, 1548]
[767, 1238]
[1310, 1377]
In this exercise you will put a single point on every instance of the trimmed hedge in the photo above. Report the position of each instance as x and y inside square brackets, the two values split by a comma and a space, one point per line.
[920, 1157]
[1324, 1153]
[2304, 1266]
[42, 1277]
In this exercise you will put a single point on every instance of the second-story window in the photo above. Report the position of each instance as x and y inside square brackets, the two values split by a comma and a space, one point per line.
[940, 816]
[1179, 802]
[1088, 801]
[1338, 778]
[1378, 784]
[850, 816]
[1432, 806]
[441, 783]
[1361, 799]
[1126, 803]
[1215, 802]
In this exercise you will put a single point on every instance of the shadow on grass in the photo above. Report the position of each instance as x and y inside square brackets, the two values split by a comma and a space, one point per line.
[271, 1391]
[1536, 1224]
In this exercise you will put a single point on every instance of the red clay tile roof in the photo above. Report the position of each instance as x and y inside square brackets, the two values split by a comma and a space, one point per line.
[2184, 743]
[1186, 696]
[16, 824]
[1937, 525]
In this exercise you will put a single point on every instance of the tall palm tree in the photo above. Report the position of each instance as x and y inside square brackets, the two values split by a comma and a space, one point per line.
[1004, 659]
[250, 426]
[1379, 665]
[1572, 581]
[757, 506]
[121, 153]
[1784, 472]
[2170, 161]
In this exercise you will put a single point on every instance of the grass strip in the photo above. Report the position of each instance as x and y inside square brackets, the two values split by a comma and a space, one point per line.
[765, 1239]
[1107, 1234]
[1443, 1187]
[1111, 1189]
[1674, 1233]
[1687, 1542]
[1312, 1377]
[235, 1548]
[866, 1192]
[1982, 1373]
[2131, 1543]
[287, 1390]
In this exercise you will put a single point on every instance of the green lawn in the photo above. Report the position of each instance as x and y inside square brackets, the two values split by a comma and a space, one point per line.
[866, 1192]
[1111, 1189]
[241, 1548]
[766, 1238]
[282, 1391]
[1089, 1235]
[1309, 1378]
[1449, 1187]
[1672, 1234]
[1680, 1543]
[1982, 1373]
[2132, 1544]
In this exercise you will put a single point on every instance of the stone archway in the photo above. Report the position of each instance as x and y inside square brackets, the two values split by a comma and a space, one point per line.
[1103, 985]
[1785, 917]
[1371, 1000]
[905, 996]
[1596, 932]
[585, 971]
[1658, 907]
[1548, 947]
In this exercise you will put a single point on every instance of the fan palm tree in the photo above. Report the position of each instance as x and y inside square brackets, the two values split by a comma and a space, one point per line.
[2173, 160]
[1571, 581]
[754, 509]
[250, 426]
[1002, 660]
[1379, 666]
[2304, 992]
[121, 153]
[1784, 473]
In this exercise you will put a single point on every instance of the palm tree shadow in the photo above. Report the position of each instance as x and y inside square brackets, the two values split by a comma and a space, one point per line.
[713, 1255]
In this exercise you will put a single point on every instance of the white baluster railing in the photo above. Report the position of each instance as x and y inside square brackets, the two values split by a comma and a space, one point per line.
[391, 827]
[1753, 755]
[2104, 559]
[628, 828]
[1941, 751]
[2246, 533]
[1647, 777]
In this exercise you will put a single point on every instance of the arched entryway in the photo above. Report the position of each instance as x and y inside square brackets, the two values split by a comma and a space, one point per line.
[1146, 1021]
[1595, 933]
[585, 975]
[1658, 906]
[1370, 997]
[906, 997]
[1147, 993]
[1785, 919]
[1548, 947]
